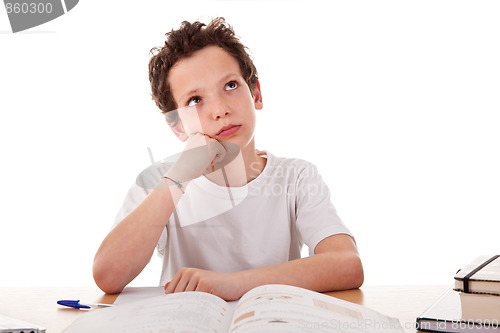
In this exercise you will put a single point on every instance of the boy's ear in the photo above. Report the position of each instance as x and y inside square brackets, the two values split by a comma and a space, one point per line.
[179, 131]
[257, 96]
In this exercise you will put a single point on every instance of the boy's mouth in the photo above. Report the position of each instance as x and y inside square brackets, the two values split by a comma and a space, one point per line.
[228, 130]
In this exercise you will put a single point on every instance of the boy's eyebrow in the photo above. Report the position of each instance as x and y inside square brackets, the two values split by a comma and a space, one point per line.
[229, 75]
[188, 94]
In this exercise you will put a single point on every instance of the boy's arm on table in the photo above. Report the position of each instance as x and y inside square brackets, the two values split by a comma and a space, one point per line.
[127, 248]
[334, 266]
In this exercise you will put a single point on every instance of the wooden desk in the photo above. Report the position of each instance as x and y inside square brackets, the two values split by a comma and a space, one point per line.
[38, 305]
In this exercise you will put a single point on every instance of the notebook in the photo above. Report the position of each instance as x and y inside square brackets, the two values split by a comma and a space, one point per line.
[11, 325]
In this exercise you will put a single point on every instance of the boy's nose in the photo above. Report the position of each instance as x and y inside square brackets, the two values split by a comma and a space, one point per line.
[220, 109]
[222, 114]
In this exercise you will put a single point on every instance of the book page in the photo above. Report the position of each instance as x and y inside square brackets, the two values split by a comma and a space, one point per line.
[280, 308]
[188, 312]
[130, 294]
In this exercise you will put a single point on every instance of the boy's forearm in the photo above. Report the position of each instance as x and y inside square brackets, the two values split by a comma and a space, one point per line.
[328, 271]
[336, 265]
[321, 272]
[127, 249]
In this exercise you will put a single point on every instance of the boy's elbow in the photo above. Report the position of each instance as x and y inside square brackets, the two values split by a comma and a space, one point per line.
[357, 272]
[105, 279]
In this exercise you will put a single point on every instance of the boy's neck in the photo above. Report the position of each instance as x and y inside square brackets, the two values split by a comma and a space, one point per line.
[240, 171]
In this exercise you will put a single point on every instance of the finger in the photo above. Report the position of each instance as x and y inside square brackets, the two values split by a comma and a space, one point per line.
[172, 285]
[203, 288]
[216, 148]
[211, 154]
[182, 284]
[231, 150]
[226, 153]
[169, 287]
[192, 285]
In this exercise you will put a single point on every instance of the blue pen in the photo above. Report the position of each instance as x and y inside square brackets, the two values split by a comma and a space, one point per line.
[77, 305]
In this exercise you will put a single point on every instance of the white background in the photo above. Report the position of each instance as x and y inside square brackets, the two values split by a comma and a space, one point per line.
[396, 102]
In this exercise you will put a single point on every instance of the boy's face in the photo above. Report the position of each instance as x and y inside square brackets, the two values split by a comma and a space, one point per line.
[213, 98]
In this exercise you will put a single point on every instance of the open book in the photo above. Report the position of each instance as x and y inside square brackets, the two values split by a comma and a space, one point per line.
[270, 308]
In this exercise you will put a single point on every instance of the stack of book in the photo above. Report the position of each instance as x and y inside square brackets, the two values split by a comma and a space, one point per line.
[472, 304]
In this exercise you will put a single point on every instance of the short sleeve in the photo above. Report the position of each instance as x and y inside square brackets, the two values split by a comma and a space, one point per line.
[316, 216]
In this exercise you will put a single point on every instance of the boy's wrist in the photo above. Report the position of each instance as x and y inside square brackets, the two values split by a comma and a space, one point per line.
[177, 183]
[171, 180]
[180, 174]
[249, 279]
[176, 186]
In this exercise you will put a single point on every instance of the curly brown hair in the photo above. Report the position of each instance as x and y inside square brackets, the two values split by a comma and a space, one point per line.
[182, 43]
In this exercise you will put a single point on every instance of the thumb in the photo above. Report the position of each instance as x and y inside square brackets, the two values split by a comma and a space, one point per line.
[217, 153]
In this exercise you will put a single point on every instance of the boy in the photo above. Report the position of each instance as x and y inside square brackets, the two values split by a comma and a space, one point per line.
[225, 217]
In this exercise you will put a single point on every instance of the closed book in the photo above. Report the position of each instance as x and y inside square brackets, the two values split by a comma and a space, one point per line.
[480, 276]
[480, 307]
[445, 315]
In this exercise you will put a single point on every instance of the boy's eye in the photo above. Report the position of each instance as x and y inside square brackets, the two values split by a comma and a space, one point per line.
[193, 101]
[231, 85]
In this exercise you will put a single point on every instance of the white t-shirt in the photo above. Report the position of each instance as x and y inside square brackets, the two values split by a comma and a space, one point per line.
[228, 229]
